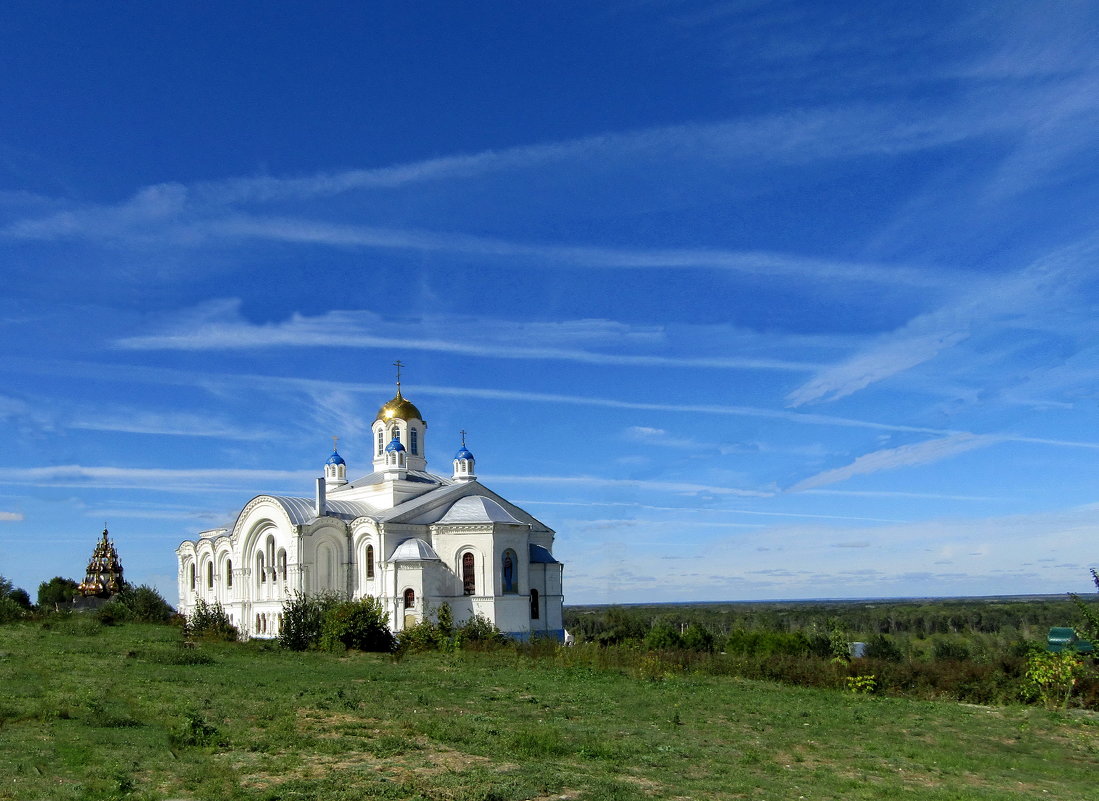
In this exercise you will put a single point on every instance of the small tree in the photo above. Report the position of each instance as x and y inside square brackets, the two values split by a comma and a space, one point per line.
[697, 638]
[663, 637]
[1051, 677]
[14, 602]
[360, 624]
[56, 593]
[303, 619]
[211, 620]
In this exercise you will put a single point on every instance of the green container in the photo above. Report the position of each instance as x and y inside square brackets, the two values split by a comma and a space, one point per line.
[1061, 638]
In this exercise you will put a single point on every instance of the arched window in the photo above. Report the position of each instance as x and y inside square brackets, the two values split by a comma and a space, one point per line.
[381, 443]
[396, 434]
[282, 563]
[192, 572]
[534, 612]
[469, 578]
[228, 572]
[509, 567]
[413, 441]
[270, 555]
[210, 575]
[261, 574]
[370, 561]
[409, 598]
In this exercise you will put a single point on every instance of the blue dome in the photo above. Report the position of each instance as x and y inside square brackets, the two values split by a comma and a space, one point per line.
[395, 445]
[463, 453]
[335, 458]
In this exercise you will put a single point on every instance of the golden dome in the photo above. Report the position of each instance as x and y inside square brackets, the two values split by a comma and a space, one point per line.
[399, 408]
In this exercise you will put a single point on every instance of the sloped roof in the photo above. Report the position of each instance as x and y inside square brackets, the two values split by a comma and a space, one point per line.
[426, 505]
[302, 510]
[478, 509]
[540, 555]
[419, 476]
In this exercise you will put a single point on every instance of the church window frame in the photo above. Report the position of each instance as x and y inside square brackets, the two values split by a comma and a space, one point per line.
[509, 572]
[192, 573]
[414, 441]
[261, 574]
[368, 558]
[381, 443]
[281, 559]
[409, 598]
[396, 434]
[210, 575]
[229, 573]
[469, 573]
[535, 610]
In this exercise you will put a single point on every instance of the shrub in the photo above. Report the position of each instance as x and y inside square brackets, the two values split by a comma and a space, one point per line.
[697, 638]
[303, 620]
[146, 604]
[112, 612]
[57, 593]
[11, 610]
[14, 602]
[663, 637]
[479, 629]
[1051, 677]
[947, 650]
[211, 621]
[424, 636]
[881, 646]
[360, 624]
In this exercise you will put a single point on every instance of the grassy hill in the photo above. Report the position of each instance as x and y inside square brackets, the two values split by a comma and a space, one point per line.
[92, 712]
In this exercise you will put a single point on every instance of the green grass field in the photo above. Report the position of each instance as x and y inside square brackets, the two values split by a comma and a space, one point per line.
[125, 712]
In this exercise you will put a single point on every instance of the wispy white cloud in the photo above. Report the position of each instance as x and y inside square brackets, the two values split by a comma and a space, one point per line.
[11, 517]
[789, 138]
[218, 326]
[137, 421]
[225, 383]
[1001, 304]
[936, 496]
[894, 458]
[594, 482]
[176, 480]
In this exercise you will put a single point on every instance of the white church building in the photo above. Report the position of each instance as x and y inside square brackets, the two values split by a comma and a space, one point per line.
[408, 537]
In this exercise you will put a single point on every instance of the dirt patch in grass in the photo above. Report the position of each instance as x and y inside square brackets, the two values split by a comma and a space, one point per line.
[389, 755]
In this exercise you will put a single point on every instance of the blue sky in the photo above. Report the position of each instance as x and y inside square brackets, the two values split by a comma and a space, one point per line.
[745, 300]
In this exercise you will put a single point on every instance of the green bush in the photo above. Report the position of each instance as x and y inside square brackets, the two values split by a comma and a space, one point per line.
[361, 625]
[480, 630]
[145, 604]
[698, 638]
[14, 602]
[663, 637]
[112, 612]
[303, 620]
[211, 621]
[11, 610]
[949, 650]
[57, 593]
[424, 636]
[881, 646]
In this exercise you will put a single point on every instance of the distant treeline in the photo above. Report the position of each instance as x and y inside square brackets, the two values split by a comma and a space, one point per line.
[1016, 617]
[978, 650]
